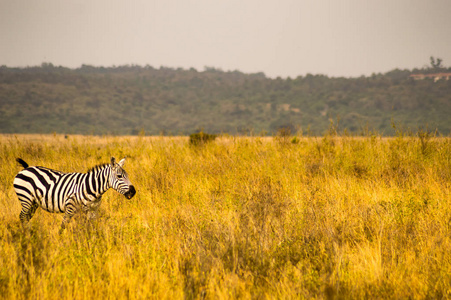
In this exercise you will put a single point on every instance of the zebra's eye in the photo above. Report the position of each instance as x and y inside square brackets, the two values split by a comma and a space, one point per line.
[119, 175]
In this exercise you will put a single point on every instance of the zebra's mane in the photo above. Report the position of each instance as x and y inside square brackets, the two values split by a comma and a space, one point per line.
[97, 167]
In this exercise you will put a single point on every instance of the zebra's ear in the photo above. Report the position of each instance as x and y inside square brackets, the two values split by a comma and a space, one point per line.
[113, 161]
[122, 162]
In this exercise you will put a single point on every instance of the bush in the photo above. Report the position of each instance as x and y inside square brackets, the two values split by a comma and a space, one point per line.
[283, 135]
[201, 138]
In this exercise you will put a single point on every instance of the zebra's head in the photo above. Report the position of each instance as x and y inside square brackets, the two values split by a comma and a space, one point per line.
[119, 179]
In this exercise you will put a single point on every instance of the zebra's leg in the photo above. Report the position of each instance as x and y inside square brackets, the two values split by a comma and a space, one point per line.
[93, 208]
[92, 214]
[70, 210]
[33, 209]
[29, 207]
[89, 212]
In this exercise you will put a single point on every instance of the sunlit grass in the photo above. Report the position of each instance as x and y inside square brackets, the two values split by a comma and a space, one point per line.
[239, 217]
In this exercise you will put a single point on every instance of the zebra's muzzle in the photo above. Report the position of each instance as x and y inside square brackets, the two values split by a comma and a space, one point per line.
[131, 192]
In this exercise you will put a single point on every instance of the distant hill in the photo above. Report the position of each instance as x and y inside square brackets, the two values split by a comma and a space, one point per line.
[132, 99]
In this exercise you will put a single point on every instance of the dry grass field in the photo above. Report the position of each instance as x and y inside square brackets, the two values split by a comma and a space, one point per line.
[239, 217]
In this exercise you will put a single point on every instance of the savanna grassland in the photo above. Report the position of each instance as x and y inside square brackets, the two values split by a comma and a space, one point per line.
[239, 217]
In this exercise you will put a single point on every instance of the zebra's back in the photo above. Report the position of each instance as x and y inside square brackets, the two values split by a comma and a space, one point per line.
[45, 186]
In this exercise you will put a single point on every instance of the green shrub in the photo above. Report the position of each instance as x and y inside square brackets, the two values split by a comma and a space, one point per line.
[201, 138]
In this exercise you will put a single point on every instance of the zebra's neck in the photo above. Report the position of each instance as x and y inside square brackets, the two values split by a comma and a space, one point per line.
[97, 180]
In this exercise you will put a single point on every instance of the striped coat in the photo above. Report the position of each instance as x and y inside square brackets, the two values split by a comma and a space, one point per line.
[66, 193]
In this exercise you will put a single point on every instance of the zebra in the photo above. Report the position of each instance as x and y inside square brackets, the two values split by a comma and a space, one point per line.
[59, 192]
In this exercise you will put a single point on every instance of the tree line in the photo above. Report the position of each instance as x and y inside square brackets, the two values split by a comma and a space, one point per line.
[131, 99]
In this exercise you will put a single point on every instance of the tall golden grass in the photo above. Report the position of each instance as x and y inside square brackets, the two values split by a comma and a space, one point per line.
[240, 217]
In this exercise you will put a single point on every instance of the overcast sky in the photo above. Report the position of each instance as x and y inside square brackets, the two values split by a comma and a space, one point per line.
[280, 37]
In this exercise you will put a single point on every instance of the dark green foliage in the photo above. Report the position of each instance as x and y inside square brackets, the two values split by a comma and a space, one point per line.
[436, 63]
[284, 135]
[129, 99]
[201, 138]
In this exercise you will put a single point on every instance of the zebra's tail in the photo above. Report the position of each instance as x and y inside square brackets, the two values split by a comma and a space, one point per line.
[22, 162]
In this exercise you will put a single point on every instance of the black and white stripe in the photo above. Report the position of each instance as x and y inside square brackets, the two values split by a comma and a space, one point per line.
[60, 192]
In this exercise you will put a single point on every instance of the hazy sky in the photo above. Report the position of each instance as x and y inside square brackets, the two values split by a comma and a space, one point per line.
[279, 38]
